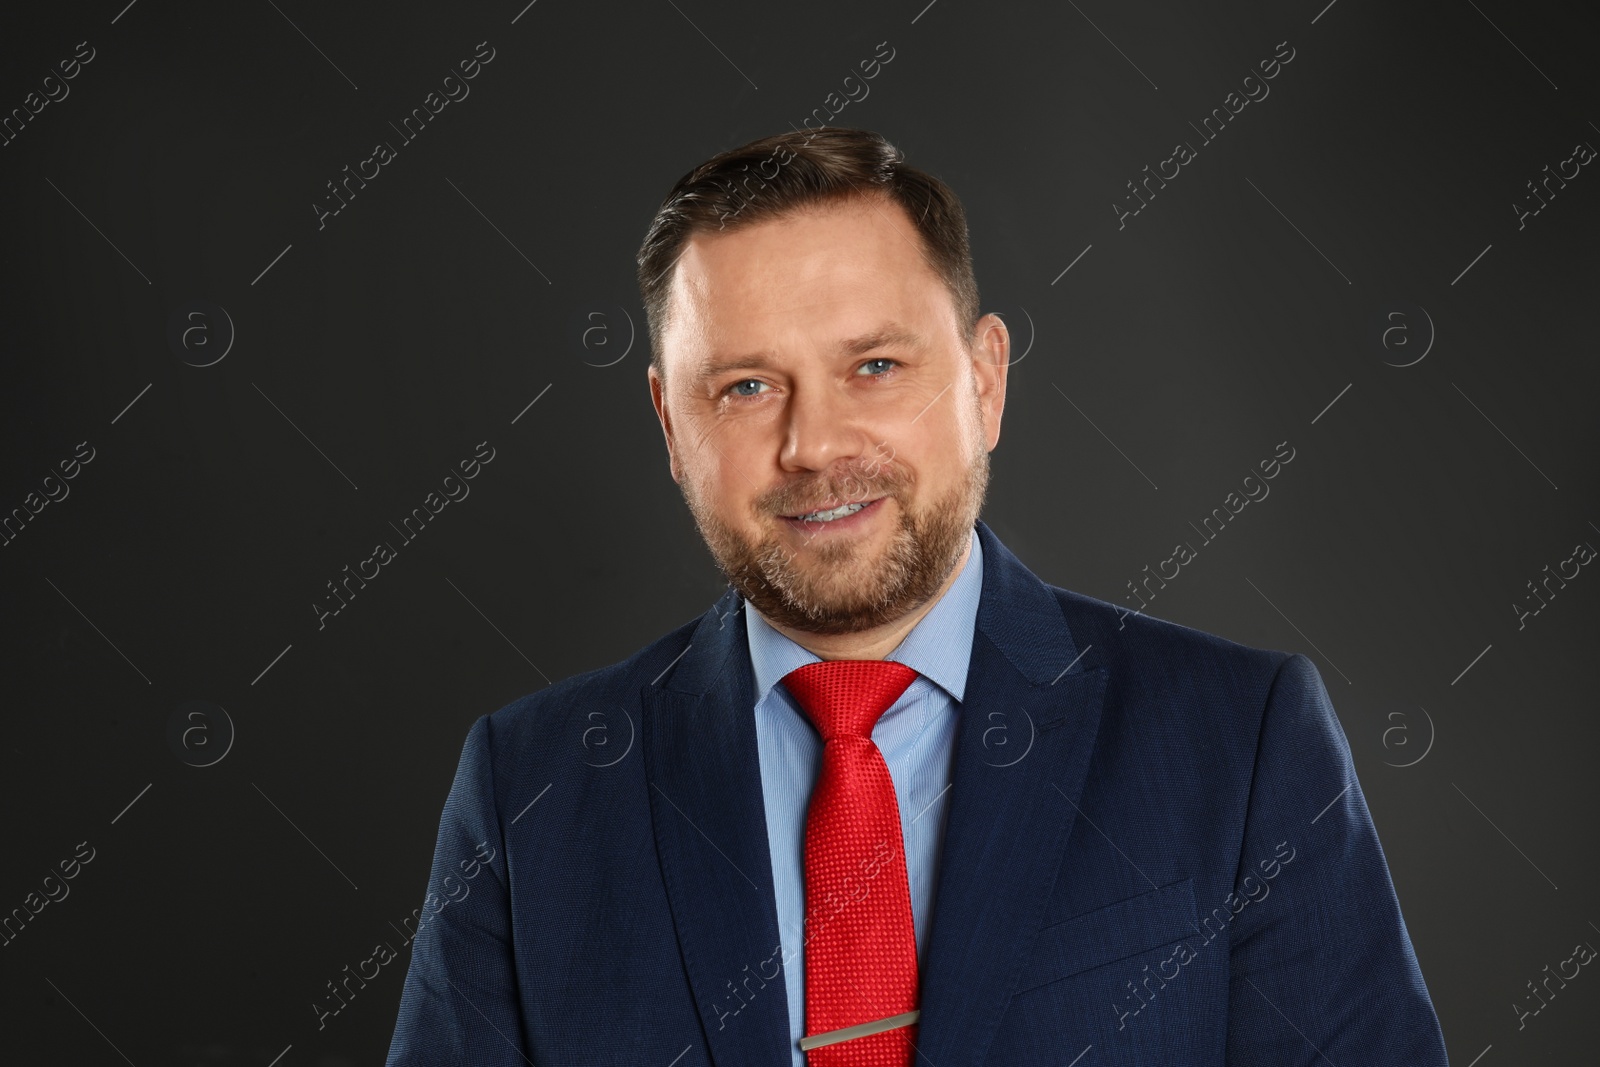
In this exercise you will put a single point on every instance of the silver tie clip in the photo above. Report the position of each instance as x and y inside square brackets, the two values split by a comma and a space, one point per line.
[845, 1033]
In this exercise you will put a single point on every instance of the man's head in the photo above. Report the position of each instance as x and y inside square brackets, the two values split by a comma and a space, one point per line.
[815, 341]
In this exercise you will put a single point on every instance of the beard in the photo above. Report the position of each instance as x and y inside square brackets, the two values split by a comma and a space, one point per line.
[837, 585]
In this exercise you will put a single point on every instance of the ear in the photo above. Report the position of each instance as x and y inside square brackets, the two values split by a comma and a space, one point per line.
[658, 400]
[991, 358]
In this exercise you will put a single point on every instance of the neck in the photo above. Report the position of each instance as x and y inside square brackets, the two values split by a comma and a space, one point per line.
[879, 641]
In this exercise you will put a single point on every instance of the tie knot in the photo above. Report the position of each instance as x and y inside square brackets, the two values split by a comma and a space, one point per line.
[845, 697]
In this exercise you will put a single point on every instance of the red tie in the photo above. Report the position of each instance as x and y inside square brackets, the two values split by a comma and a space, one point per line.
[860, 944]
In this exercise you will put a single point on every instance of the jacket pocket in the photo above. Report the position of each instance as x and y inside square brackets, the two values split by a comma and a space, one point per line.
[1161, 917]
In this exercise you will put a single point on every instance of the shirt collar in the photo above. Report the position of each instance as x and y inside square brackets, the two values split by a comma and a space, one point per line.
[939, 646]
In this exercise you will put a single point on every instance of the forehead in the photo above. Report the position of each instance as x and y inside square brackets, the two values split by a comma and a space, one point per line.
[832, 271]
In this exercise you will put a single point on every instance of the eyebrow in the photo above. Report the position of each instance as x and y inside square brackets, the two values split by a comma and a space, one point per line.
[890, 334]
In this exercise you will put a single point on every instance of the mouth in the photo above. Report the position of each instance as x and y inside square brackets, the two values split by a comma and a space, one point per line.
[834, 517]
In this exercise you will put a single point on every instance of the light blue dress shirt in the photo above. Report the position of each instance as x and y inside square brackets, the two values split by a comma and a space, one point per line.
[916, 738]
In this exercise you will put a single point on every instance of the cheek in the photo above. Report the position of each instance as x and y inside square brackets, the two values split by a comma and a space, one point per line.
[723, 481]
[937, 457]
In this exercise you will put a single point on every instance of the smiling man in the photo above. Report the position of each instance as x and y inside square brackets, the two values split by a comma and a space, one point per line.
[826, 419]
[893, 799]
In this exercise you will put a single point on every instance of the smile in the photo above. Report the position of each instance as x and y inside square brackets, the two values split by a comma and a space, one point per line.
[843, 515]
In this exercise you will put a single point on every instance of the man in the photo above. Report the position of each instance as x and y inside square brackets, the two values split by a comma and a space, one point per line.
[893, 799]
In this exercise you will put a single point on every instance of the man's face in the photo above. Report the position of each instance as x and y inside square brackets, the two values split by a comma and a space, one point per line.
[814, 361]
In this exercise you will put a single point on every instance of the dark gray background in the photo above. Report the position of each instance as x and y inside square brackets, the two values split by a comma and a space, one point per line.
[1379, 175]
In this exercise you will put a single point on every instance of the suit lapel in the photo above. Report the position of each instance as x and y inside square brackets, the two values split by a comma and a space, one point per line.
[1025, 732]
[709, 819]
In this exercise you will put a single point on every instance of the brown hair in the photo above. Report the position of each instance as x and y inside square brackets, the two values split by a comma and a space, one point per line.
[781, 174]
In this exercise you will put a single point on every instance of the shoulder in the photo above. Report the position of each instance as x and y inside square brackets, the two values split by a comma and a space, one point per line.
[1150, 645]
[607, 693]
[1209, 717]
[1190, 680]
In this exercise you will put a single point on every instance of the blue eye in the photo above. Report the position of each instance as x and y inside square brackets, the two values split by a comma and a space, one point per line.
[737, 388]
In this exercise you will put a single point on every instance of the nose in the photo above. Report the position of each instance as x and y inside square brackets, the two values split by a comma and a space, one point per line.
[822, 426]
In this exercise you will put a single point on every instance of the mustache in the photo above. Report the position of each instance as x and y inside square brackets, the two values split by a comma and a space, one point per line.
[852, 485]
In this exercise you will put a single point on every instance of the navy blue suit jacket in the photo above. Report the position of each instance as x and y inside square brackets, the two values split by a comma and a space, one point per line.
[1156, 853]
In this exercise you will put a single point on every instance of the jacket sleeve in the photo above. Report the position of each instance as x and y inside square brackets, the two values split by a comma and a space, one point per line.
[1321, 968]
[460, 1002]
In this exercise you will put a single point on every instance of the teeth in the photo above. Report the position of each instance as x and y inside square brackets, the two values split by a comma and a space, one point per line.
[836, 513]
